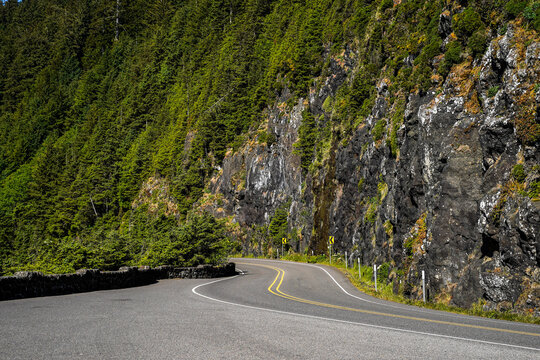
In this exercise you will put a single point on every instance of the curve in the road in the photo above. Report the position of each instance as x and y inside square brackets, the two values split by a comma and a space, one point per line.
[280, 293]
[410, 308]
[397, 306]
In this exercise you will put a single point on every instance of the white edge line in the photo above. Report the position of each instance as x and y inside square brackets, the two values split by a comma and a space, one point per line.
[194, 290]
[405, 307]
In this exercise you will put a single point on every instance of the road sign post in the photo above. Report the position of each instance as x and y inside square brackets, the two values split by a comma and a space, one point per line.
[330, 243]
[283, 242]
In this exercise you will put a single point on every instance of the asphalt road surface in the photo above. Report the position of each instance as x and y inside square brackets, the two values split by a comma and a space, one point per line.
[274, 310]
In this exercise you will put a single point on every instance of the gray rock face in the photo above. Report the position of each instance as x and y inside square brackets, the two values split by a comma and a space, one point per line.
[262, 176]
[445, 24]
[445, 202]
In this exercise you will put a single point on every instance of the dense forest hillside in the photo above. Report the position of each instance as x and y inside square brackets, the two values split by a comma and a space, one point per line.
[161, 131]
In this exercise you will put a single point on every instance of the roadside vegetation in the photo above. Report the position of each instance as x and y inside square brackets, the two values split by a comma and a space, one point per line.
[201, 239]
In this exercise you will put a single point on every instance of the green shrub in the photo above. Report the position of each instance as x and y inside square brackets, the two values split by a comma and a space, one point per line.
[327, 104]
[467, 23]
[382, 272]
[408, 246]
[529, 12]
[432, 49]
[266, 137]
[518, 173]
[515, 7]
[493, 91]
[371, 213]
[386, 4]
[451, 56]
[316, 259]
[361, 90]
[361, 184]
[382, 190]
[534, 191]
[532, 14]
[477, 43]
[307, 137]
[453, 53]
[278, 228]
[392, 140]
[423, 77]
[379, 129]
[201, 239]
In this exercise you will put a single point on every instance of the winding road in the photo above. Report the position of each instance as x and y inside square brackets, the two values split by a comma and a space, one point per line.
[273, 310]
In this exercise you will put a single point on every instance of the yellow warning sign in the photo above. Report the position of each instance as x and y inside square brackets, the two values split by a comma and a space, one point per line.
[284, 241]
[331, 239]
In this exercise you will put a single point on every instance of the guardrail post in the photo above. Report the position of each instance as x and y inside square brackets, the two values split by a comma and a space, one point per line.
[424, 285]
[375, 275]
[330, 254]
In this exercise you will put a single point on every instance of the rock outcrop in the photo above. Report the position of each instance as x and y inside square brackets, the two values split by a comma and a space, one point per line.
[456, 197]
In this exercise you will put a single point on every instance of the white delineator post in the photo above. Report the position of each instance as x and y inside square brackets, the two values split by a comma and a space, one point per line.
[330, 254]
[424, 285]
[375, 275]
[359, 270]
[346, 260]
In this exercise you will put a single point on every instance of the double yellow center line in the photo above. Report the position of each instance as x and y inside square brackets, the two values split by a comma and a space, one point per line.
[274, 288]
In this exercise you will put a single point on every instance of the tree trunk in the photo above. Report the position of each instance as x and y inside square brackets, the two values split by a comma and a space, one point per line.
[117, 21]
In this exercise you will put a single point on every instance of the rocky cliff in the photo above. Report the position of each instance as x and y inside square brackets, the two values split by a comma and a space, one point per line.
[443, 180]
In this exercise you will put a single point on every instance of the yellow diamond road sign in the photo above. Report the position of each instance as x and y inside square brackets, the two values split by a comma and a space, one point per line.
[331, 239]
